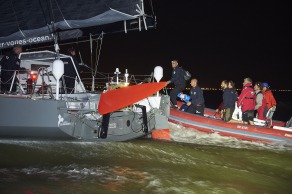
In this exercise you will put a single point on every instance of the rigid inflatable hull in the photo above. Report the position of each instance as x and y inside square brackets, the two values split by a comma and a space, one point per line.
[239, 131]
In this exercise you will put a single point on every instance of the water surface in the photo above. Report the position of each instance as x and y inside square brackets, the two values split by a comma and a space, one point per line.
[194, 163]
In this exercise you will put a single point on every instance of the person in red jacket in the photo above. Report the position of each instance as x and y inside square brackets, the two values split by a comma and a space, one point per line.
[246, 100]
[271, 102]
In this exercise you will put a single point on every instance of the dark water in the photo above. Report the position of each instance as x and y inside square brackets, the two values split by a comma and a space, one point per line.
[194, 163]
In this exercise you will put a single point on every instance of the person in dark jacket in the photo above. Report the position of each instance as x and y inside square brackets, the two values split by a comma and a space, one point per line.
[69, 70]
[224, 113]
[197, 104]
[178, 80]
[9, 63]
[229, 99]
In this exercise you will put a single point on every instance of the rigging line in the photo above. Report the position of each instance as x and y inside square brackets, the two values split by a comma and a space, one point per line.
[52, 12]
[97, 59]
[62, 15]
[105, 76]
[54, 29]
[54, 33]
[91, 56]
[16, 18]
[43, 11]
[151, 5]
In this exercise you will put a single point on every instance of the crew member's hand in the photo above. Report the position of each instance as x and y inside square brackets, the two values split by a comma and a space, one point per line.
[189, 103]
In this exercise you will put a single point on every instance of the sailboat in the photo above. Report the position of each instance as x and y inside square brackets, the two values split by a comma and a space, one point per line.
[42, 108]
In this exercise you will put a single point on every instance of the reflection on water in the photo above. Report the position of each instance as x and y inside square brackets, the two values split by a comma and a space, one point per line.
[194, 163]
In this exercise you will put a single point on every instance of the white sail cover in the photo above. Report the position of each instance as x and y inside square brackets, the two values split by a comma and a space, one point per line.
[28, 22]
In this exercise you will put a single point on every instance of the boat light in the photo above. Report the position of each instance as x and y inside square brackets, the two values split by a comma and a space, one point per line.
[33, 76]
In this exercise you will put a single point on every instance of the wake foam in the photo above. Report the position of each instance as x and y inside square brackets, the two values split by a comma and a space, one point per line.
[183, 134]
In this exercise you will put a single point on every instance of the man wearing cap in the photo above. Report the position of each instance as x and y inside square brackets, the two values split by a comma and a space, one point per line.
[271, 102]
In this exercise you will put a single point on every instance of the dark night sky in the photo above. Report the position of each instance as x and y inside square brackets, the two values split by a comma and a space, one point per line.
[213, 40]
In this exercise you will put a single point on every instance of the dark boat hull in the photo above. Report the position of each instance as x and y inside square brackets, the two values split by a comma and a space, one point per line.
[50, 119]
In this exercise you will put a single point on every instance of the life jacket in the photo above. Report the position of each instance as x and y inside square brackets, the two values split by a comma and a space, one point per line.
[246, 98]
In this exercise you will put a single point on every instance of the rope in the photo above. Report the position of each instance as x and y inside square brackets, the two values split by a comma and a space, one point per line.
[62, 15]
[43, 11]
[151, 5]
[98, 55]
[16, 17]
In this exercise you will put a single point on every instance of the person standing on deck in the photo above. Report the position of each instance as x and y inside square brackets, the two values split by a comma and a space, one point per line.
[229, 95]
[9, 64]
[237, 114]
[271, 102]
[179, 82]
[69, 70]
[261, 103]
[246, 100]
[229, 99]
[197, 103]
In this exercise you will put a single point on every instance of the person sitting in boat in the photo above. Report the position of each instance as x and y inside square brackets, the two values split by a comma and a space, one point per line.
[179, 82]
[246, 100]
[260, 101]
[229, 99]
[9, 64]
[69, 70]
[271, 102]
[197, 103]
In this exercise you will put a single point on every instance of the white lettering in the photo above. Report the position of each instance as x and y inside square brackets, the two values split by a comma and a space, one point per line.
[241, 127]
[112, 125]
[37, 39]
